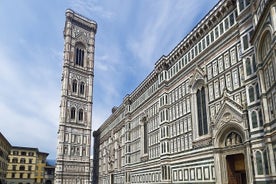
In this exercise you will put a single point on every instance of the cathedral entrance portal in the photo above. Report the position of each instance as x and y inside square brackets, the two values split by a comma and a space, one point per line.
[236, 169]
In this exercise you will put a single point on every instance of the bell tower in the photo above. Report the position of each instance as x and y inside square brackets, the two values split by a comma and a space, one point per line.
[75, 121]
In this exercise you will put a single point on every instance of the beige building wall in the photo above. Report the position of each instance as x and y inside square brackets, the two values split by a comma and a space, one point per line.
[25, 165]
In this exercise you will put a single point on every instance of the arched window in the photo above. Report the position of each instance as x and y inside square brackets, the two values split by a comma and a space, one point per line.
[80, 115]
[201, 112]
[22, 160]
[260, 117]
[254, 119]
[82, 88]
[259, 163]
[74, 86]
[265, 46]
[73, 113]
[79, 56]
[251, 94]
[14, 160]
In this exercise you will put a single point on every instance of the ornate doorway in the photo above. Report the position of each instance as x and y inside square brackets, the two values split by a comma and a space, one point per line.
[236, 169]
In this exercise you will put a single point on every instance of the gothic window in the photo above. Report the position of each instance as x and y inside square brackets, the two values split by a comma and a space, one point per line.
[265, 46]
[80, 115]
[259, 163]
[73, 113]
[74, 86]
[79, 56]
[251, 94]
[201, 112]
[245, 42]
[254, 119]
[82, 88]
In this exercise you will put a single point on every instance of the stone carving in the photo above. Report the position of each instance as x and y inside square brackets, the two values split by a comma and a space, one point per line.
[233, 139]
[80, 34]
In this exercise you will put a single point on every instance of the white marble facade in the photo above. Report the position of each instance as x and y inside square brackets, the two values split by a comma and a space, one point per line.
[206, 113]
[74, 133]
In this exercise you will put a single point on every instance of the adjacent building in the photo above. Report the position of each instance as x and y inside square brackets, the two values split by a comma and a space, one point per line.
[49, 174]
[5, 147]
[207, 111]
[74, 133]
[26, 165]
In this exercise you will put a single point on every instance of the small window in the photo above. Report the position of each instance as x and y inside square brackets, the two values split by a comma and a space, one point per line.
[248, 66]
[251, 94]
[245, 42]
[79, 56]
[265, 46]
[232, 19]
[80, 115]
[82, 88]
[73, 113]
[243, 4]
[74, 86]
[259, 163]
[22, 168]
[22, 160]
[254, 119]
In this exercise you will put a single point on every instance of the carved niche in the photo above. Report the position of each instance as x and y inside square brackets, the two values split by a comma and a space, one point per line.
[233, 139]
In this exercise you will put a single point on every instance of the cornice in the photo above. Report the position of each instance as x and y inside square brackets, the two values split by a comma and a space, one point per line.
[208, 22]
[80, 20]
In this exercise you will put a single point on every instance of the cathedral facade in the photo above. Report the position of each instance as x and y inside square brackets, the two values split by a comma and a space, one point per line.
[207, 111]
[74, 133]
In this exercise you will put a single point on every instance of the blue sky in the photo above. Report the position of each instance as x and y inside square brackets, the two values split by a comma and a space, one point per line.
[132, 35]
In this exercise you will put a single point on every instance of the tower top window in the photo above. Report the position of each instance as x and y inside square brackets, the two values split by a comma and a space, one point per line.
[79, 55]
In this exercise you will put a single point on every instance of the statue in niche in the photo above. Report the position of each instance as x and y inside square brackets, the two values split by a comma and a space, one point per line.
[233, 139]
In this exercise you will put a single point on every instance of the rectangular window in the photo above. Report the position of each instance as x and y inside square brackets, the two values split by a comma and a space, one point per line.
[232, 19]
[212, 36]
[216, 32]
[221, 30]
[245, 42]
[207, 40]
[199, 47]
[203, 44]
[226, 23]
